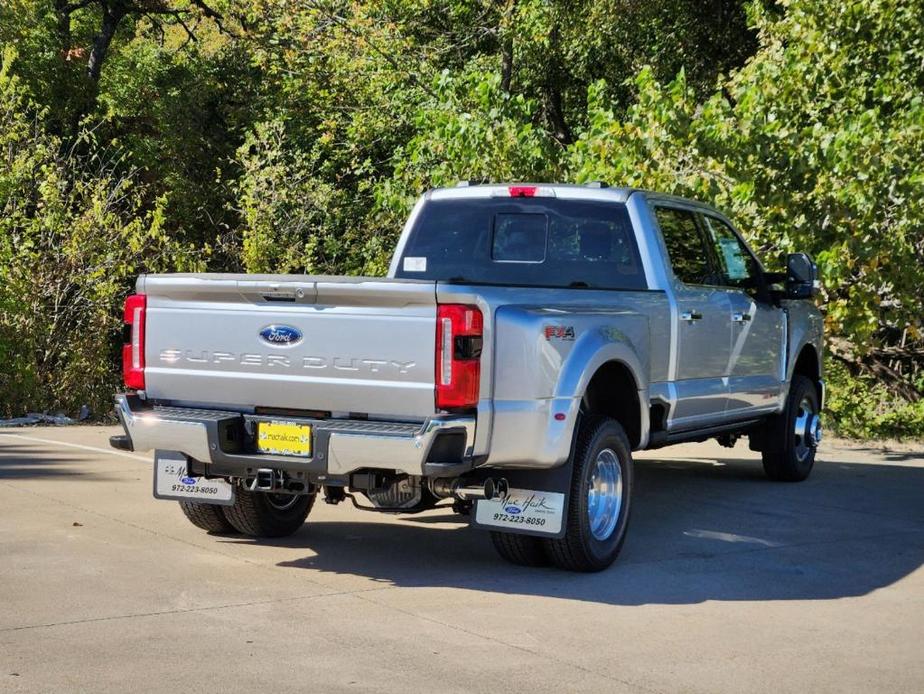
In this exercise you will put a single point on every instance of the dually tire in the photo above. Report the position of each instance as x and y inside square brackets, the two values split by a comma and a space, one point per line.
[600, 498]
[264, 514]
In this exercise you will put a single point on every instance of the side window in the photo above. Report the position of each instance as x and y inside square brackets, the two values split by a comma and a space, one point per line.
[735, 262]
[685, 245]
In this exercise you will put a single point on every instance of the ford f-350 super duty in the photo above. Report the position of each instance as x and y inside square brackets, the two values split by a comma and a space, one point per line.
[527, 339]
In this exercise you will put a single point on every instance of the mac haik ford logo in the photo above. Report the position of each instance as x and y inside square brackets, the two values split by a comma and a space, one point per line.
[281, 335]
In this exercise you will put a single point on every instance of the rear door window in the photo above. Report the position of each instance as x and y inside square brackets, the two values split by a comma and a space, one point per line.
[686, 246]
[544, 242]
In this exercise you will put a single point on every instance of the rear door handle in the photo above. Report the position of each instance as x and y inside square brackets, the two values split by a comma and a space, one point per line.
[691, 316]
[740, 317]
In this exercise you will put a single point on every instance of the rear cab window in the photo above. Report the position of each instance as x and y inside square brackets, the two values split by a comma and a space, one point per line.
[542, 242]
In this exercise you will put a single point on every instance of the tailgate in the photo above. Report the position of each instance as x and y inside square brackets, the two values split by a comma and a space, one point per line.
[294, 341]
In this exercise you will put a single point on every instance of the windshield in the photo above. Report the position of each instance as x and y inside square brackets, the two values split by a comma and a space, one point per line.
[544, 242]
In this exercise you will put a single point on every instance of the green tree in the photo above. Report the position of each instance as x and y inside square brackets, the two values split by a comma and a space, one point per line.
[817, 144]
[282, 136]
[73, 235]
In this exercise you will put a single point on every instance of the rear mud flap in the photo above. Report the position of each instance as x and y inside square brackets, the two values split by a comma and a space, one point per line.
[536, 505]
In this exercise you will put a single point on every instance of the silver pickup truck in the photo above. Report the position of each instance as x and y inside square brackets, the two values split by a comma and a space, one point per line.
[527, 339]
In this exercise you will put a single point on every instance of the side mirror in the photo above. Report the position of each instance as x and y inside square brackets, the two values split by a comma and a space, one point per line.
[801, 276]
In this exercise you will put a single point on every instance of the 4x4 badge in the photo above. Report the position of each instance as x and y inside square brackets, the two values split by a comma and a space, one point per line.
[559, 332]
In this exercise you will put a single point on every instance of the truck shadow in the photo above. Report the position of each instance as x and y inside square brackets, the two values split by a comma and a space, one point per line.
[20, 462]
[701, 530]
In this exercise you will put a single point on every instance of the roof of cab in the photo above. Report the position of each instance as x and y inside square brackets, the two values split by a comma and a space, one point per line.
[595, 191]
[567, 191]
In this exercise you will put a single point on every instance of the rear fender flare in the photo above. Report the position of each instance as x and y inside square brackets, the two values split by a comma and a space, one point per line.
[592, 351]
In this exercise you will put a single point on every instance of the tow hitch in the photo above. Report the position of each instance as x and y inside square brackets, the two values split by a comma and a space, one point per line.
[269, 480]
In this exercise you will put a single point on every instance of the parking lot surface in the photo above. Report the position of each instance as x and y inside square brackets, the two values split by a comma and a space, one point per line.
[727, 583]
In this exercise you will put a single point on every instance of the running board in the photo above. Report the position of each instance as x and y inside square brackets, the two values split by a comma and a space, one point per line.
[659, 439]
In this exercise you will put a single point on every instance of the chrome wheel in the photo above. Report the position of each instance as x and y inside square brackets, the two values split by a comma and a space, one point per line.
[807, 433]
[604, 495]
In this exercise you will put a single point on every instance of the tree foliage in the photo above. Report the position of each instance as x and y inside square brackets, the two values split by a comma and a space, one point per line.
[283, 136]
[816, 144]
[74, 232]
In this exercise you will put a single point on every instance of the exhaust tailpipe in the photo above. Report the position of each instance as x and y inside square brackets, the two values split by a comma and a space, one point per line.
[457, 488]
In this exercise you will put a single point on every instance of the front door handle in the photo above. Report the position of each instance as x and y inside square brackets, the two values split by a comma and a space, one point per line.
[691, 316]
[740, 317]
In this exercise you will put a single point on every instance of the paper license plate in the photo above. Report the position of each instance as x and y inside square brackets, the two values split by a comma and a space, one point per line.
[523, 510]
[171, 481]
[284, 438]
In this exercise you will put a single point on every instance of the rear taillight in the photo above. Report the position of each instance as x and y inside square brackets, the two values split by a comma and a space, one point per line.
[133, 348]
[459, 333]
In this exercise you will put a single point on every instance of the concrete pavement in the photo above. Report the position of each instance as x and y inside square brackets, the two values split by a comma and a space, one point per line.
[727, 583]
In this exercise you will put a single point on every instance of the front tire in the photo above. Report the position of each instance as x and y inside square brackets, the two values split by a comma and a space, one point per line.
[601, 491]
[791, 437]
[264, 514]
[209, 517]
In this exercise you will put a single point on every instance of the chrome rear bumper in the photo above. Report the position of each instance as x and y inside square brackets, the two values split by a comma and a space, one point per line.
[223, 440]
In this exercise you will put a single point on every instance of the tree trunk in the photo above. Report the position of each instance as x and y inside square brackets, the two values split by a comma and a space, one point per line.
[507, 64]
[556, 114]
[554, 106]
[112, 15]
[507, 47]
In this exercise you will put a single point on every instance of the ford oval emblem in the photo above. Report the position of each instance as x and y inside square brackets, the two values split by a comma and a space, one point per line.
[512, 510]
[188, 481]
[281, 335]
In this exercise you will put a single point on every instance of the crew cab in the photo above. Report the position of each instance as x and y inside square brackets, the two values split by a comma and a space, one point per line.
[527, 339]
